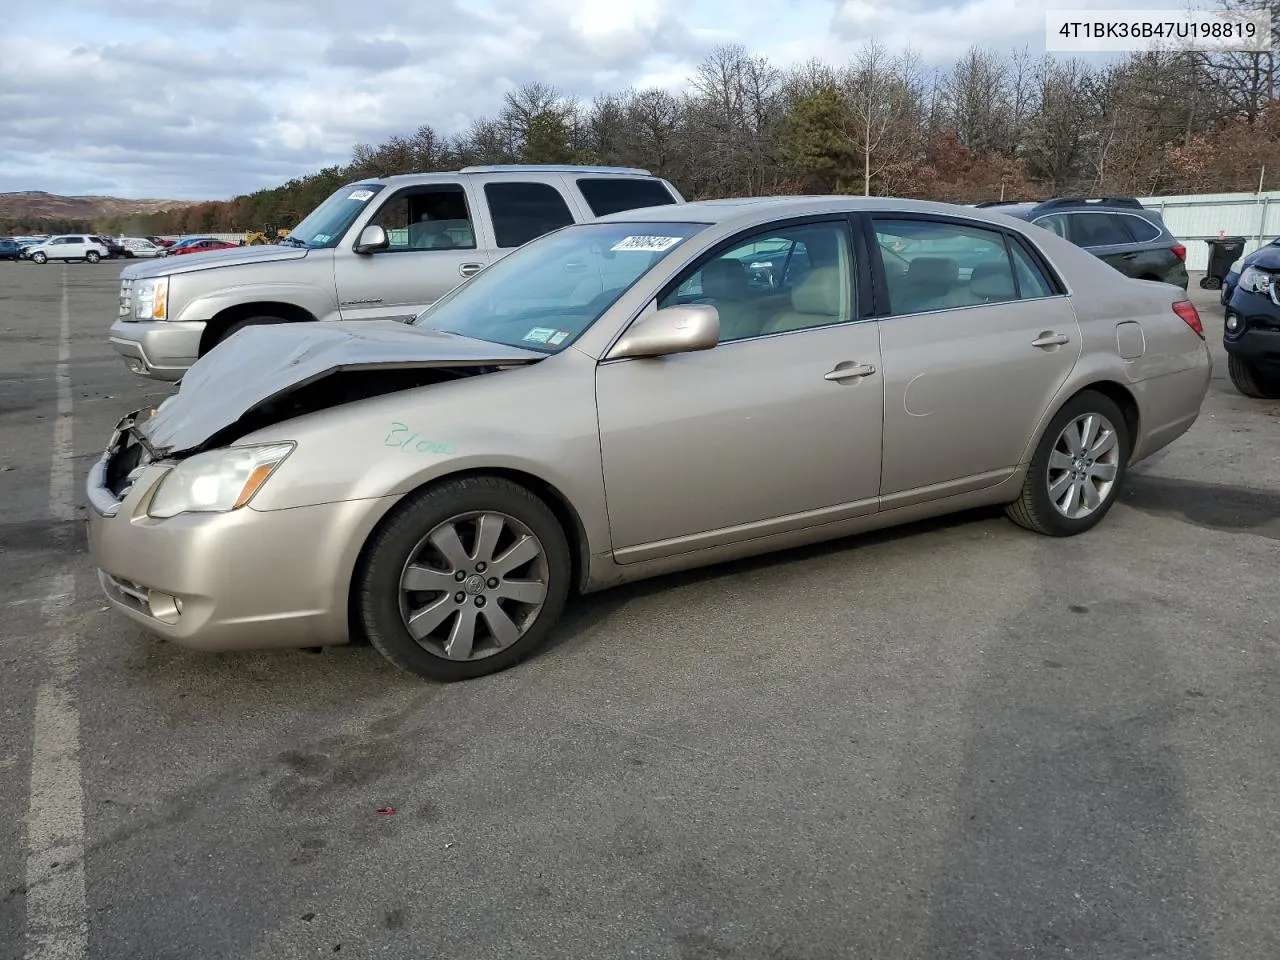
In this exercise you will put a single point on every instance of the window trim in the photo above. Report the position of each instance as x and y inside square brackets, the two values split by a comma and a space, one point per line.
[445, 186]
[510, 181]
[1037, 257]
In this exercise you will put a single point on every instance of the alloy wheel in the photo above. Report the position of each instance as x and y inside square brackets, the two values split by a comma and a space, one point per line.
[474, 585]
[1083, 466]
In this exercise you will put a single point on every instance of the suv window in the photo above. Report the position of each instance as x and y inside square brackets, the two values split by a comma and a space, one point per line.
[1143, 230]
[522, 211]
[613, 195]
[433, 217]
[791, 279]
[934, 265]
[1098, 229]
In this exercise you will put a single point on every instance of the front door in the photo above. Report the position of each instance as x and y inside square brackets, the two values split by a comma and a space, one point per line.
[434, 247]
[777, 427]
[970, 362]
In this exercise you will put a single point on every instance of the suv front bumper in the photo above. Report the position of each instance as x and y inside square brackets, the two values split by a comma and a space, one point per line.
[160, 349]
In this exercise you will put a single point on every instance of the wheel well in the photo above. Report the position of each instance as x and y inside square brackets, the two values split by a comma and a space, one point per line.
[219, 323]
[1123, 399]
[557, 503]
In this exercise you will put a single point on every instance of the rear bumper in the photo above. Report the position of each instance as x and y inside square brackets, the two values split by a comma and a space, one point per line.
[161, 350]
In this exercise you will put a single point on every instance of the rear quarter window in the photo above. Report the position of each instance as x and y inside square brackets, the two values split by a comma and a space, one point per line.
[1143, 230]
[523, 211]
[605, 195]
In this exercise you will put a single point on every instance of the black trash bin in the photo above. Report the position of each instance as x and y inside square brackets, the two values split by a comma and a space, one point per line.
[1223, 252]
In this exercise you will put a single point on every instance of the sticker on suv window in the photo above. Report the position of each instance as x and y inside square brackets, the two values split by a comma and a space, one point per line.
[645, 244]
[540, 334]
[361, 195]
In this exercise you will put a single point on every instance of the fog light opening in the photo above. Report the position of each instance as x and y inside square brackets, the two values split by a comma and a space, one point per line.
[164, 607]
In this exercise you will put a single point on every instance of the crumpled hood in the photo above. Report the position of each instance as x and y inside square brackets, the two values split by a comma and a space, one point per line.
[1266, 258]
[209, 260]
[261, 363]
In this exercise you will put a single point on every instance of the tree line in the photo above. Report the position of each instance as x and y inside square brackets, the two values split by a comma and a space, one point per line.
[992, 126]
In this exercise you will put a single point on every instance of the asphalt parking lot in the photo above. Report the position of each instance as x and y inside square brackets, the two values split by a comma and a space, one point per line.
[953, 740]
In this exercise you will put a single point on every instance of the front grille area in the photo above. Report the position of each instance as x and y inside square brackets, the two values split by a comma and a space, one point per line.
[126, 298]
[142, 599]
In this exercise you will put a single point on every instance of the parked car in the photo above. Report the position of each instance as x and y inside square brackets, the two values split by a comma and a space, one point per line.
[198, 245]
[140, 247]
[10, 250]
[27, 244]
[1233, 275]
[1118, 230]
[380, 248]
[1251, 334]
[614, 401]
[68, 247]
[160, 241]
[115, 250]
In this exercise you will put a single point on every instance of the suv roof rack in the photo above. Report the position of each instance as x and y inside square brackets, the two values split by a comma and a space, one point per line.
[1089, 202]
[553, 168]
[1000, 203]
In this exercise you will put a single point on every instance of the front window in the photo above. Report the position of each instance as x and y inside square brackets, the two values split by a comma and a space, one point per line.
[547, 293]
[324, 226]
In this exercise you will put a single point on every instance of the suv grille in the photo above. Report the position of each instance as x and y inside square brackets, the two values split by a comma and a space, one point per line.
[126, 298]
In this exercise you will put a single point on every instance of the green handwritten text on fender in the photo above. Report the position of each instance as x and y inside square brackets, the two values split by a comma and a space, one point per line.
[401, 438]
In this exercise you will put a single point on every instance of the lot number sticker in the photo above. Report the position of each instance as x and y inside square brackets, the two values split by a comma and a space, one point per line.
[645, 244]
[361, 195]
[540, 334]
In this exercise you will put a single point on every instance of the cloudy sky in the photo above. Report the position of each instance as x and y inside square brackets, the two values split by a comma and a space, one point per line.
[181, 99]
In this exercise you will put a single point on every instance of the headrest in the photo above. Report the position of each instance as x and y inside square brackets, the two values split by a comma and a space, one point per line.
[939, 271]
[991, 280]
[725, 279]
[821, 292]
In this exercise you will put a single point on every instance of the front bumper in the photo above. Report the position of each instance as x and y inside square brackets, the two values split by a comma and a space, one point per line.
[1257, 340]
[160, 349]
[248, 579]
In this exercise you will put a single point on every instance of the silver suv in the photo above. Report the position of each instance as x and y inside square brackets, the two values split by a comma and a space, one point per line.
[384, 248]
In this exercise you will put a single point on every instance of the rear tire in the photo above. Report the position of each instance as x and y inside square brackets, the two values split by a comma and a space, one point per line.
[405, 577]
[1070, 484]
[1251, 381]
[1210, 283]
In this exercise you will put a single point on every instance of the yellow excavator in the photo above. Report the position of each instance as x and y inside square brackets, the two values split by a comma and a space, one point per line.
[268, 234]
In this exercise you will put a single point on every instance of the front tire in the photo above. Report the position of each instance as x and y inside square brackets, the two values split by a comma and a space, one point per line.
[1252, 381]
[239, 325]
[464, 579]
[92, 256]
[39, 258]
[1077, 469]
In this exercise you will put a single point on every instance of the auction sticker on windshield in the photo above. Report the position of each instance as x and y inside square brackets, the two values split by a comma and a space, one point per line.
[646, 244]
[540, 334]
[361, 195]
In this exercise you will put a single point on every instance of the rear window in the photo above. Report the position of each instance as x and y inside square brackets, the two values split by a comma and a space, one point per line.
[1143, 230]
[524, 211]
[605, 195]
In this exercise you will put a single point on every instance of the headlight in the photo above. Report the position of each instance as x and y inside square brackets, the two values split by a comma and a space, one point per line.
[1253, 280]
[218, 481]
[151, 299]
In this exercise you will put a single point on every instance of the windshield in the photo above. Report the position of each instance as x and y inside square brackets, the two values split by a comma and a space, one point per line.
[325, 225]
[548, 292]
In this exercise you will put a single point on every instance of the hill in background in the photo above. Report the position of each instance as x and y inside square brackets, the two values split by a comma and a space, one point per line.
[48, 212]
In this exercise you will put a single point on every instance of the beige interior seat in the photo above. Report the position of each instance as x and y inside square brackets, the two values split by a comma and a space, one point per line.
[816, 301]
[724, 286]
[991, 282]
[930, 284]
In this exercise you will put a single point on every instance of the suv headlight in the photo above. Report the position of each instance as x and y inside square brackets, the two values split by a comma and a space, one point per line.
[151, 299]
[218, 481]
[1253, 280]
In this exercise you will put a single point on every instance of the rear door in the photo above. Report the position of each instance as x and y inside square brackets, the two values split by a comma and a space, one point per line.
[435, 245]
[970, 363]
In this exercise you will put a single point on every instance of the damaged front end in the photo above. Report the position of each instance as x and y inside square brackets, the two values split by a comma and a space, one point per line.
[266, 375]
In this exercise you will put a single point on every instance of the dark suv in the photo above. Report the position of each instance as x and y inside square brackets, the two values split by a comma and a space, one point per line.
[1252, 331]
[1119, 230]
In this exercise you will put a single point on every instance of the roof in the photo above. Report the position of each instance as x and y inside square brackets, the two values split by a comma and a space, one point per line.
[435, 176]
[749, 209]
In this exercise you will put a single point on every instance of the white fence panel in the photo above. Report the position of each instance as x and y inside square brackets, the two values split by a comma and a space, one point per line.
[1195, 218]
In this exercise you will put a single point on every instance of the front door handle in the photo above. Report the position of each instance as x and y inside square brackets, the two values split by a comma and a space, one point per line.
[470, 269]
[1048, 339]
[850, 371]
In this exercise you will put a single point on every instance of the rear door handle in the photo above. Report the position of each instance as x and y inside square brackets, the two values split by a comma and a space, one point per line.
[470, 269]
[1050, 340]
[850, 371]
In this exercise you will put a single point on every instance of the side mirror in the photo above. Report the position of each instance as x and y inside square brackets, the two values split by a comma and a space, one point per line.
[679, 329]
[372, 239]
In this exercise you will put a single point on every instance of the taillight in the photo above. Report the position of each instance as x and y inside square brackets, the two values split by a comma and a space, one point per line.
[1187, 311]
[1180, 252]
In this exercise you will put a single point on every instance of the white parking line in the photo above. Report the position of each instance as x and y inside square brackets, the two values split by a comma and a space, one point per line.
[57, 909]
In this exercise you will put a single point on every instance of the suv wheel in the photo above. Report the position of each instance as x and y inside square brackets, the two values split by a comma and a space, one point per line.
[39, 257]
[464, 579]
[92, 256]
[1078, 467]
[1253, 381]
[240, 325]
